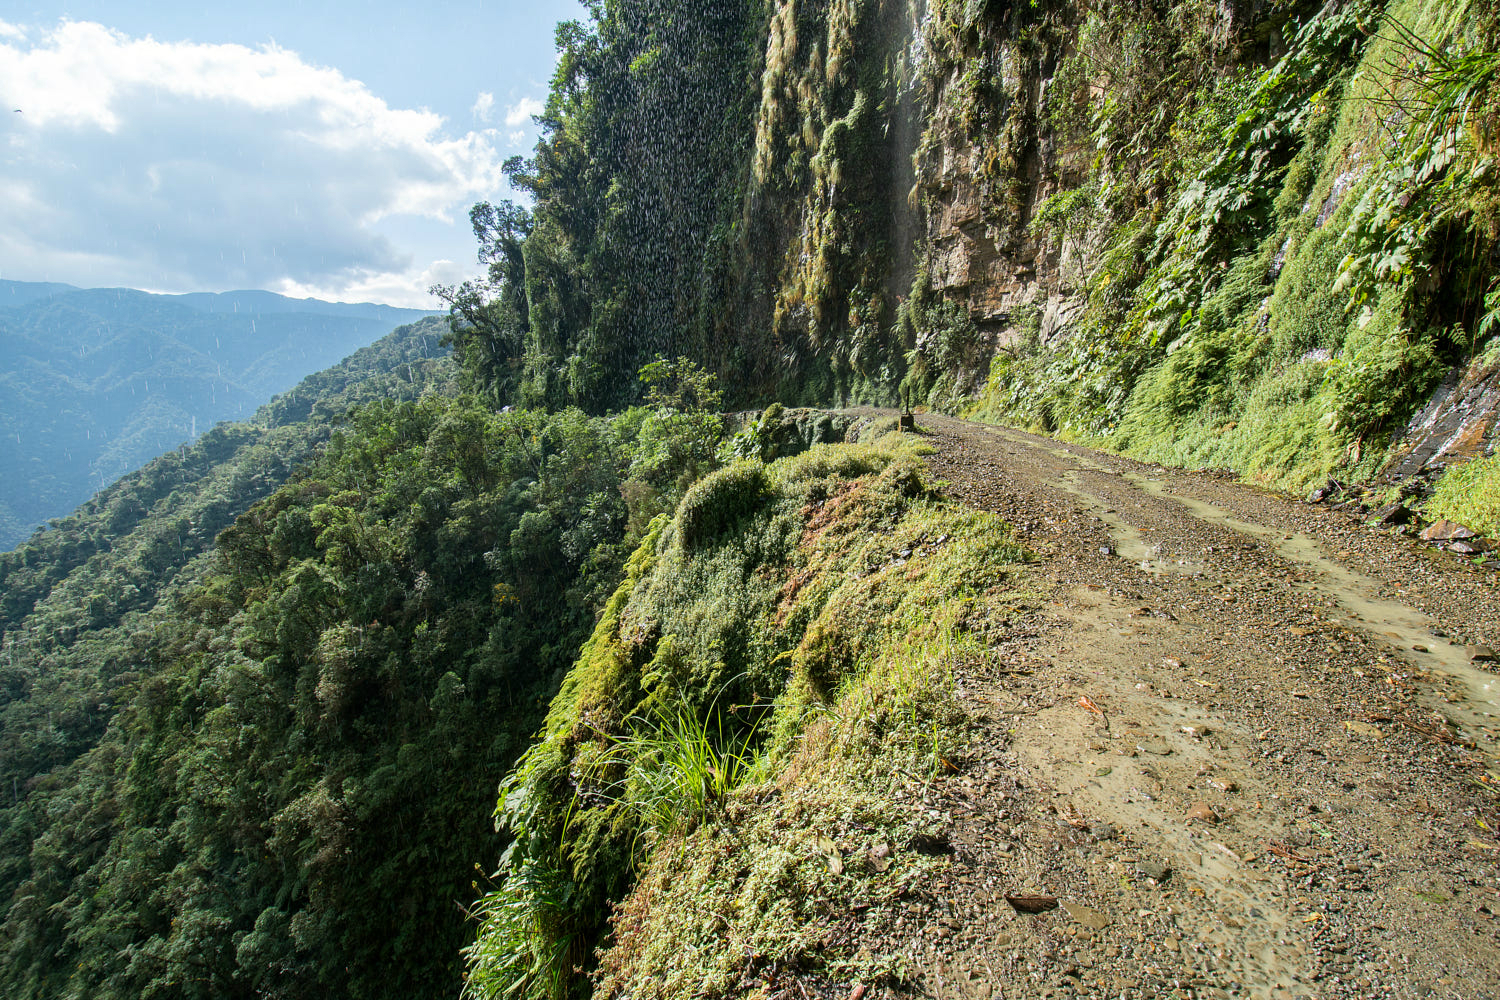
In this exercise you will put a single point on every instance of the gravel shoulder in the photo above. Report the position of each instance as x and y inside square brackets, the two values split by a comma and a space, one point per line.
[1248, 746]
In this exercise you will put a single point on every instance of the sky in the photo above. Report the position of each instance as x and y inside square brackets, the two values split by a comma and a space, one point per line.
[329, 150]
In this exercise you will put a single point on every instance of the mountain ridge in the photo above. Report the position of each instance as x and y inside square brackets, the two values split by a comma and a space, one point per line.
[98, 381]
[18, 293]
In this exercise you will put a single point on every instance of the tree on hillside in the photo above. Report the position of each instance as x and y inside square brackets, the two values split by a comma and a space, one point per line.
[489, 318]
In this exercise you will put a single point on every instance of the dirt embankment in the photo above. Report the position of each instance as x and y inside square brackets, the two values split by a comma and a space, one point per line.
[1248, 747]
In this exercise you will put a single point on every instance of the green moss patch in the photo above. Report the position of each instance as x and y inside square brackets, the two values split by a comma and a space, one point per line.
[1470, 495]
[718, 766]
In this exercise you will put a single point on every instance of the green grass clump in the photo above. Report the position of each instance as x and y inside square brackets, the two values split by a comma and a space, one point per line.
[681, 766]
[523, 947]
[1470, 495]
[823, 460]
[771, 878]
[719, 500]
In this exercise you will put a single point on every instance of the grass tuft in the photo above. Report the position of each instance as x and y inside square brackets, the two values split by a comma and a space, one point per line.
[680, 766]
[1470, 495]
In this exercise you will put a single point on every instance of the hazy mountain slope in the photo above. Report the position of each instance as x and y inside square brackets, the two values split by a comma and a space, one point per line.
[213, 480]
[93, 382]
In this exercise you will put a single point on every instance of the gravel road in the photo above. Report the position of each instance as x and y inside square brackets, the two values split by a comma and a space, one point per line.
[1248, 745]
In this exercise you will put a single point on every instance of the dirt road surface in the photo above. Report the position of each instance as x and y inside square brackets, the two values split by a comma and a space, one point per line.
[1248, 746]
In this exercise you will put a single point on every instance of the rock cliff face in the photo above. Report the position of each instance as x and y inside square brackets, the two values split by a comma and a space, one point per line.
[982, 189]
[1210, 233]
[1459, 424]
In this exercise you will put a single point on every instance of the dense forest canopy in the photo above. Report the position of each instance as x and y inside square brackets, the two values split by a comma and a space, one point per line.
[246, 768]
[621, 258]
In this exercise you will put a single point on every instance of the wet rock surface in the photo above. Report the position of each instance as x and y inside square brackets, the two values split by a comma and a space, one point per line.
[1245, 748]
[1459, 423]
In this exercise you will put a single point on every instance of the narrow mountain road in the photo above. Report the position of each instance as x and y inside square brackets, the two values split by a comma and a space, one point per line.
[1249, 746]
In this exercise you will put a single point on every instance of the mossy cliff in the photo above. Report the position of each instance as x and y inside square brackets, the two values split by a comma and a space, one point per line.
[1254, 236]
[1264, 252]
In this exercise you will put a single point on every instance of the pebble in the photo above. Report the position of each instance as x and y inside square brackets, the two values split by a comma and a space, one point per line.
[1203, 812]
[1087, 916]
[1153, 869]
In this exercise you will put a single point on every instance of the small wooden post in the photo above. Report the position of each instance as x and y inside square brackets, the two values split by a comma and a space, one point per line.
[908, 420]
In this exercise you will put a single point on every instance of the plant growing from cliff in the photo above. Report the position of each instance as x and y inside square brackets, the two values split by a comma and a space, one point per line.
[947, 353]
[1438, 178]
[1418, 242]
[1066, 213]
[1222, 211]
[525, 945]
[1133, 114]
[680, 766]
[682, 434]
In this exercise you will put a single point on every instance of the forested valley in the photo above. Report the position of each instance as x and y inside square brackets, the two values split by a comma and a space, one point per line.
[258, 694]
[471, 668]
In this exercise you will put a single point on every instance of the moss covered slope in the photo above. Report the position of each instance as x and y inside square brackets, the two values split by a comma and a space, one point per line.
[716, 761]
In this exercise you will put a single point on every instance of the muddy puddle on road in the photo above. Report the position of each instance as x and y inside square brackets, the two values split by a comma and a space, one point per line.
[1130, 543]
[1477, 713]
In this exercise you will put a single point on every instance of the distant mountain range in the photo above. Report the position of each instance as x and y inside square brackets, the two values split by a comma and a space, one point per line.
[96, 382]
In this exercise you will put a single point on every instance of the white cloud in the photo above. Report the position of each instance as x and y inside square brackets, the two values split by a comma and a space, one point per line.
[520, 112]
[518, 138]
[484, 106]
[180, 166]
[407, 288]
[8, 30]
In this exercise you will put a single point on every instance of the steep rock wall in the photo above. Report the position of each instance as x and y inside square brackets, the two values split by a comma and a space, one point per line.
[827, 229]
[1253, 236]
[1209, 232]
[988, 160]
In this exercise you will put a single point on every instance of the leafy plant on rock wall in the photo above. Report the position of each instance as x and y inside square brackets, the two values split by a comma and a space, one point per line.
[1417, 272]
[1132, 114]
[1440, 176]
[1223, 210]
